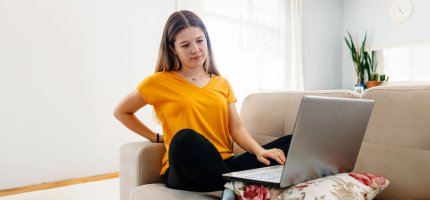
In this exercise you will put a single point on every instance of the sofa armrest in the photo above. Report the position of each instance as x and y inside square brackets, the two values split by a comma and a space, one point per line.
[140, 163]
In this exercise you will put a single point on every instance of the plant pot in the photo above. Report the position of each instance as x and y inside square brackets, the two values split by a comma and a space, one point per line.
[371, 84]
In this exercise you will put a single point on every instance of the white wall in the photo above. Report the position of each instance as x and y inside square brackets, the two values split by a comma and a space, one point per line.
[322, 44]
[64, 65]
[326, 59]
[372, 16]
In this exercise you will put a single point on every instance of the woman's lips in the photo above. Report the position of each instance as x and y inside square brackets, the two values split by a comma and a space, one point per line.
[196, 58]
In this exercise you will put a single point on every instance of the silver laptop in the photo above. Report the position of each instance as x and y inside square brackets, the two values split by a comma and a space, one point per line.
[326, 140]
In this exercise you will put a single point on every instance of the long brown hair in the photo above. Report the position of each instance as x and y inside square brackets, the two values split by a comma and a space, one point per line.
[167, 60]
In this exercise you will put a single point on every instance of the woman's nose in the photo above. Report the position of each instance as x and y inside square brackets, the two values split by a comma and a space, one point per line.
[194, 48]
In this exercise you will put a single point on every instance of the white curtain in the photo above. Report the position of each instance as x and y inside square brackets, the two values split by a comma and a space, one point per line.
[296, 45]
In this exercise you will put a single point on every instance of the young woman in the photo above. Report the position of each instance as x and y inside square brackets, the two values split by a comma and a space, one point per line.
[196, 108]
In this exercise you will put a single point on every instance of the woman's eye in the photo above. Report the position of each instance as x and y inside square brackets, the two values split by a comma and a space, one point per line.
[185, 45]
[199, 41]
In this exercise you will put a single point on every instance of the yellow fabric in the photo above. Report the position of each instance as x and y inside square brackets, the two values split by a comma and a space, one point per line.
[179, 104]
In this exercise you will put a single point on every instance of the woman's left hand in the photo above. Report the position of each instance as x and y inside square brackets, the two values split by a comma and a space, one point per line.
[275, 154]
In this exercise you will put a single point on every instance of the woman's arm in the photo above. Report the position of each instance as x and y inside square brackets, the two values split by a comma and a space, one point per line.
[241, 136]
[125, 110]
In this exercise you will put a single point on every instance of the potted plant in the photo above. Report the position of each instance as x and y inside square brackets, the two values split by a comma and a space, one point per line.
[358, 54]
[370, 66]
[383, 77]
[365, 65]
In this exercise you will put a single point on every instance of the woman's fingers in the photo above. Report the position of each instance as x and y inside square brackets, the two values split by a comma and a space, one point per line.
[264, 160]
[274, 154]
[281, 155]
[279, 158]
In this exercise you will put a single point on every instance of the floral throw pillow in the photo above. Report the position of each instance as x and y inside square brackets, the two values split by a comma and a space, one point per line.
[340, 186]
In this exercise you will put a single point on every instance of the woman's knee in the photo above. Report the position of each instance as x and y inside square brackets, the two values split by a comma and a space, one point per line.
[186, 136]
[186, 140]
[183, 144]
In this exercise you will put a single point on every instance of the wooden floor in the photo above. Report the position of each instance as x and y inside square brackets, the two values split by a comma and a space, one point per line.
[44, 186]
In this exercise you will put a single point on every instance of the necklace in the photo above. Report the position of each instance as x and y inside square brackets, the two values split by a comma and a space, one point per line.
[196, 78]
[205, 75]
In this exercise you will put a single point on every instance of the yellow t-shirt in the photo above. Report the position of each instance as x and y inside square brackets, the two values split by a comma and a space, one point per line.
[179, 104]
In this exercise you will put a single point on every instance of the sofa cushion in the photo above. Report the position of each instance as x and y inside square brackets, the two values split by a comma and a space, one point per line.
[341, 186]
[160, 191]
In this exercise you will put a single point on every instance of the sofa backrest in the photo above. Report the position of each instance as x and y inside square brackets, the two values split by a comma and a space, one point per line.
[397, 141]
[268, 116]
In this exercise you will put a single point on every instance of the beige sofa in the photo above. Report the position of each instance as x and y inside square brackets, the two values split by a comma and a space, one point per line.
[396, 144]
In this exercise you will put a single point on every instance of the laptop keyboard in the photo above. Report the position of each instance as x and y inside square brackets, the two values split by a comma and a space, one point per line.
[272, 175]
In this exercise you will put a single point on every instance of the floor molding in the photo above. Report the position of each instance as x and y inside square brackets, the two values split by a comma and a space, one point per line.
[44, 186]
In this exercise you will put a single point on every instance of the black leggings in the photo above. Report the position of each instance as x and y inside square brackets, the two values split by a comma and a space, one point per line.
[196, 165]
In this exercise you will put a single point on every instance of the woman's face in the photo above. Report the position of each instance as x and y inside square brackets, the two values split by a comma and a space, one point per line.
[191, 47]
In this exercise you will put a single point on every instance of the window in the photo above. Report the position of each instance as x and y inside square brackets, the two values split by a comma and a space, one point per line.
[409, 63]
[249, 41]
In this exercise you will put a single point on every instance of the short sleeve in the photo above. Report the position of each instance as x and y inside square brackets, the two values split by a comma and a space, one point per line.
[145, 89]
[231, 98]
